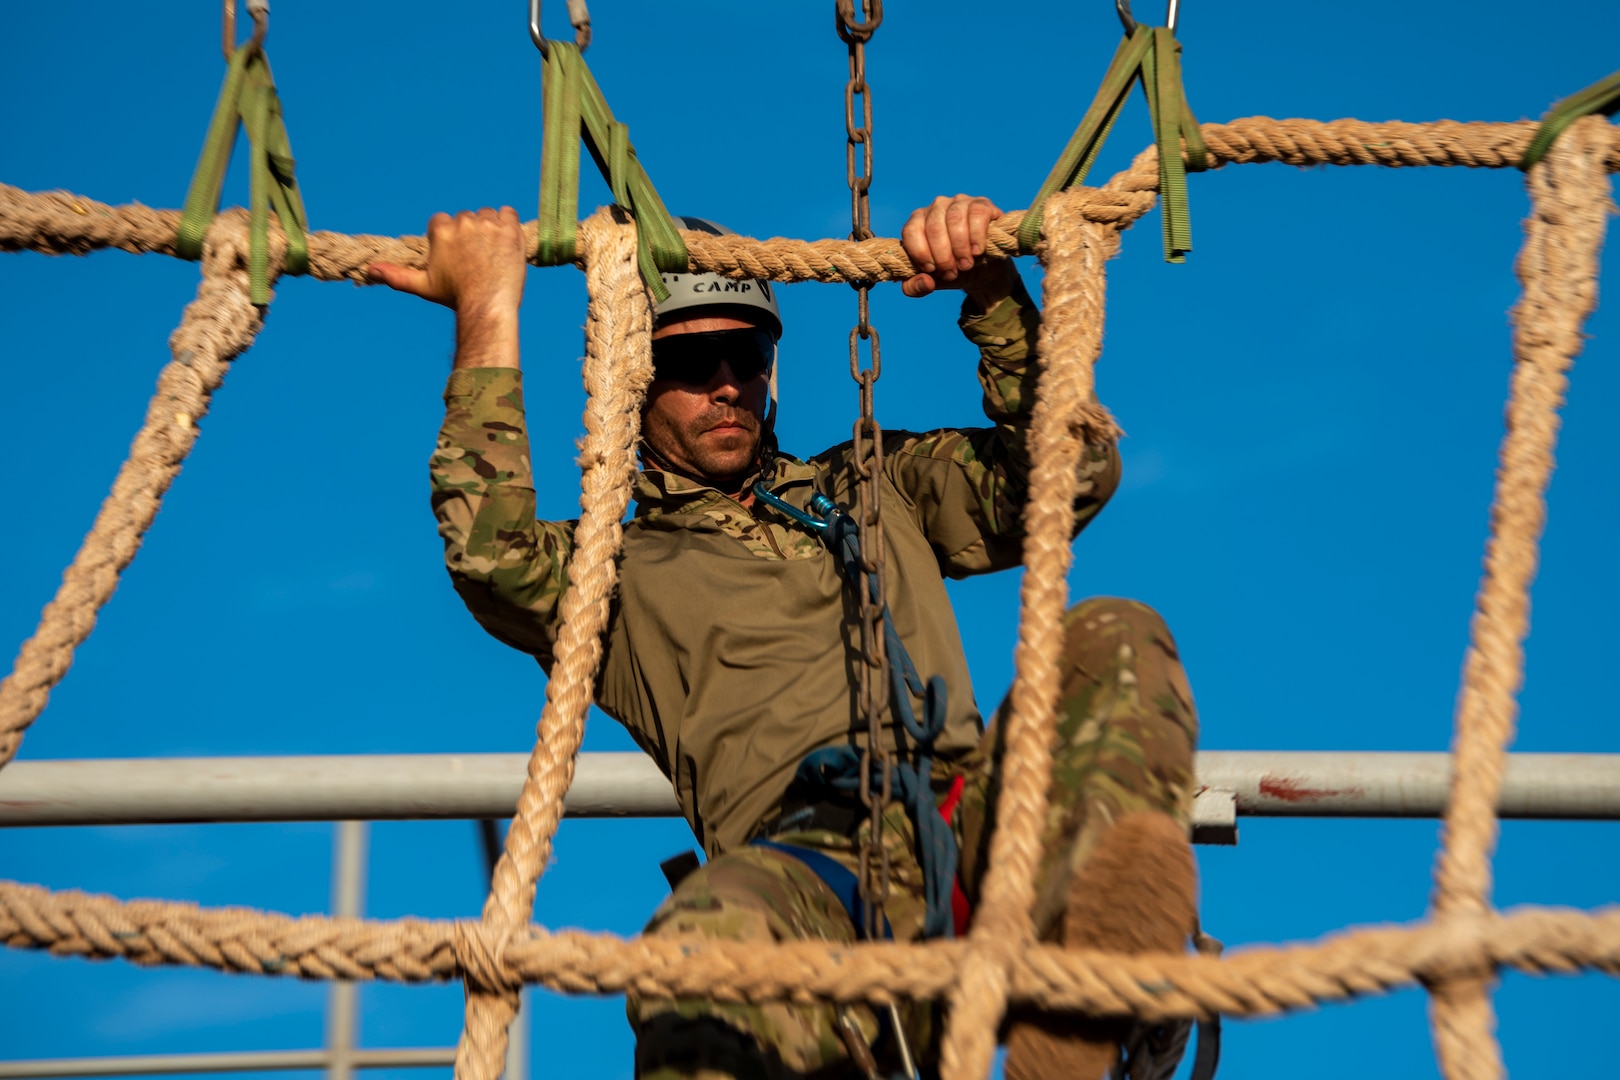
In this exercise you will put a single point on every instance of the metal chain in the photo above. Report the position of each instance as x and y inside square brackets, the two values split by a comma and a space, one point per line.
[867, 453]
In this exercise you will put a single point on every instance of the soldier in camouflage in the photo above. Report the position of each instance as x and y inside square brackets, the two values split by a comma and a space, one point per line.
[720, 595]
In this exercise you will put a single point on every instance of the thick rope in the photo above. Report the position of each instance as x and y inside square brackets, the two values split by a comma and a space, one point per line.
[1066, 417]
[1254, 981]
[215, 328]
[1558, 268]
[65, 224]
[617, 369]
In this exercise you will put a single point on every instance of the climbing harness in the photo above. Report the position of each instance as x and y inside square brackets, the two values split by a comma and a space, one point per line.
[835, 875]
[845, 773]
[1151, 55]
[1602, 98]
[839, 774]
[249, 98]
[574, 108]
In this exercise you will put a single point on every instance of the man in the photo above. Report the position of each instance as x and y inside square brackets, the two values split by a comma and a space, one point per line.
[733, 643]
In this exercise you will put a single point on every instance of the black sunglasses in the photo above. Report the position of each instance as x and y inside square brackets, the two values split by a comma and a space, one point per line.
[694, 358]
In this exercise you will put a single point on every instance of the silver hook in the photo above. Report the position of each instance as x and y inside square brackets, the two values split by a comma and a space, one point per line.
[579, 17]
[535, 33]
[1123, 8]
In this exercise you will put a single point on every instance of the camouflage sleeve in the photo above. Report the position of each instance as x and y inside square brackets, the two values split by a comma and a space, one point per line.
[509, 568]
[967, 486]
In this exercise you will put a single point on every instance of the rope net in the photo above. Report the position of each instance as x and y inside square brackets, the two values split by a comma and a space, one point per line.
[1455, 954]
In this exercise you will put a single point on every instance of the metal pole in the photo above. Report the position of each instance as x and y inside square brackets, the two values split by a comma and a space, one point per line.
[517, 1041]
[348, 899]
[1282, 783]
[248, 1061]
[373, 787]
[469, 786]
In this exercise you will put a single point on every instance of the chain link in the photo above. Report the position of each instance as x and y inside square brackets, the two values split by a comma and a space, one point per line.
[867, 454]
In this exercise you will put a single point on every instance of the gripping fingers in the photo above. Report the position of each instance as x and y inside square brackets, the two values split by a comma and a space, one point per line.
[476, 260]
[957, 227]
[913, 238]
[944, 239]
[980, 214]
[937, 231]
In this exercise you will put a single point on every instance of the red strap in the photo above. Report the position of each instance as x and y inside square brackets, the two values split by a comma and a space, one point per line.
[961, 910]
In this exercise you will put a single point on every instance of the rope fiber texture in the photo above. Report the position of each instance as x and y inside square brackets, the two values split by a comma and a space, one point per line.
[1558, 269]
[217, 327]
[1250, 981]
[1454, 954]
[64, 224]
[617, 371]
[1065, 418]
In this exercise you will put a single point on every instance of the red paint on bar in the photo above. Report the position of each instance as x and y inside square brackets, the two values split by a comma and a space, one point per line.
[1284, 789]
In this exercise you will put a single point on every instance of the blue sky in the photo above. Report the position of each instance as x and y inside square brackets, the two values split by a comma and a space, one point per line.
[1313, 405]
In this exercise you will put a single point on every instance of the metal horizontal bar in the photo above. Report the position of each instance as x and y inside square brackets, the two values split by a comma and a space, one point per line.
[427, 786]
[249, 1061]
[377, 787]
[1277, 783]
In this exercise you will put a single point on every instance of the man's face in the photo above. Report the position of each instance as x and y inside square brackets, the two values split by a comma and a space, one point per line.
[708, 430]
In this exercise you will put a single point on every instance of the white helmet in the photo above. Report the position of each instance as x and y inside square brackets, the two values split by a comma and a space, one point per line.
[688, 292]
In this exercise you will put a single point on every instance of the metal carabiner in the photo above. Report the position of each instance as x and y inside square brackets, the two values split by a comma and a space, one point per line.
[579, 17]
[818, 502]
[1123, 8]
[260, 10]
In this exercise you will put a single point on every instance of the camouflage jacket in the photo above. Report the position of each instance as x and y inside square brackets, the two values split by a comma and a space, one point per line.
[732, 641]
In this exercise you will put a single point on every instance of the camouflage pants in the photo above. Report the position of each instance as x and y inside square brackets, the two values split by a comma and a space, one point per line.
[1125, 737]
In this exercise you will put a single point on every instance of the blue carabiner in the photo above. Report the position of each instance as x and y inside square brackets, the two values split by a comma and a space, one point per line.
[818, 502]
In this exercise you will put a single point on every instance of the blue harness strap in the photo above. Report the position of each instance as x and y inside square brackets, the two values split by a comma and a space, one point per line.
[840, 767]
[836, 876]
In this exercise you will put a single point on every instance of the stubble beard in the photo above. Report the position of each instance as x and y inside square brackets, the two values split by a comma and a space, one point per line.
[700, 458]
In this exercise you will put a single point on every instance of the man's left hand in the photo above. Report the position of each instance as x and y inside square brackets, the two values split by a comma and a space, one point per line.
[944, 241]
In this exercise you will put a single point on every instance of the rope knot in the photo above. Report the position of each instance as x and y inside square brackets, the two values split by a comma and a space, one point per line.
[1458, 951]
[480, 951]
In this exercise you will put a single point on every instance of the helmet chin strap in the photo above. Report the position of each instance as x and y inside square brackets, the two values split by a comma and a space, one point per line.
[767, 430]
[770, 412]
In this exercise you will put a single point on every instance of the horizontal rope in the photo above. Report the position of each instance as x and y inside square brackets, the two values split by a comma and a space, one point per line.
[1254, 981]
[61, 223]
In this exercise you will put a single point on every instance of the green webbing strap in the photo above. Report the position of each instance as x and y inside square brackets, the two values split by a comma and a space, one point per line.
[1151, 54]
[1601, 98]
[1173, 123]
[574, 107]
[248, 96]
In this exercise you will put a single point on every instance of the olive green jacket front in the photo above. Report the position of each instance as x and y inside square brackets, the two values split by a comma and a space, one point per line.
[733, 642]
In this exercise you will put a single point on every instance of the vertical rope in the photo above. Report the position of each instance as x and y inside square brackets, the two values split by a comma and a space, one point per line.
[215, 328]
[1065, 418]
[1557, 267]
[618, 367]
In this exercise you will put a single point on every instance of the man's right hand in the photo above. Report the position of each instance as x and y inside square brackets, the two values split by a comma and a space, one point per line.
[945, 241]
[475, 267]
